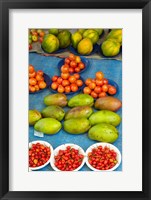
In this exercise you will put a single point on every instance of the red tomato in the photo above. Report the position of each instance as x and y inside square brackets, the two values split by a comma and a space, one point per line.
[71, 56]
[41, 39]
[32, 88]
[67, 61]
[105, 88]
[81, 65]
[86, 90]
[32, 81]
[77, 76]
[112, 90]
[79, 83]
[32, 75]
[71, 70]
[92, 85]
[65, 68]
[31, 69]
[99, 82]
[74, 87]
[30, 46]
[60, 89]
[59, 80]
[77, 69]
[97, 89]
[105, 81]
[42, 84]
[72, 79]
[40, 72]
[41, 34]
[94, 94]
[88, 81]
[73, 64]
[102, 94]
[65, 83]
[37, 88]
[35, 33]
[99, 75]
[54, 85]
[54, 78]
[65, 75]
[39, 77]
[67, 89]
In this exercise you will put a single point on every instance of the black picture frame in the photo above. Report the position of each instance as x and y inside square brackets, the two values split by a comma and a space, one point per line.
[5, 5]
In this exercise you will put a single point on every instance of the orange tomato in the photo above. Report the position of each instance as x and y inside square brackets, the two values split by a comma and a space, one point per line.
[112, 90]
[36, 87]
[65, 75]
[67, 89]
[99, 75]
[39, 77]
[60, 89]
[97, 89]
[54, 78]
[77, 76]
[73, 64]
[81, 65]
[65, 83]
[31, 69]
[79, 83]
[59, 80]
[65, 69]
[86, 90]
[41, 34]
[102, 94]
[32, 75]
[105, 81]
[77, 59]
[40, 72]
[72, 79]
[94, 95]
[32, 88]
[42, 84]
[99, 82]
[93, 80]
[54, 85]
[74, 87]
[88, 81]
[77, 69]
[71, 70]
[32, 81]
[92, 85]
[67, 60]
[71, 56]
[104, 88]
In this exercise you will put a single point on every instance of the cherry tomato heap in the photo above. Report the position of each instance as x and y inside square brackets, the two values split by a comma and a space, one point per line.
[68, 159]
[102, 158]
[39, 154]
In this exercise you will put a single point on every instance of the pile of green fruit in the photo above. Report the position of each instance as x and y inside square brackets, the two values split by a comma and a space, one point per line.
[84, 39]
[112, 44]
[80, 118]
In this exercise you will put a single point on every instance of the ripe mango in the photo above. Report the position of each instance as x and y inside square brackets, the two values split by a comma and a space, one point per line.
[53, 112]
[108, 103]
[85, 46]
[33, 116]
[77, 126]
[103, 132]
[56, 99]
[48, 126]
[79, 112]
[105, 116]
[81, 100]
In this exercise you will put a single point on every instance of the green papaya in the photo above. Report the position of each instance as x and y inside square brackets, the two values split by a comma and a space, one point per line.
[79, 112]
[48, 126]
[56, 99]
[81, 100]
[103, 132]
[53, 112]
[77, 126]
[105, 116]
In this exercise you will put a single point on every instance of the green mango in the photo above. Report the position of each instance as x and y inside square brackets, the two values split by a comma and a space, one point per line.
[115, 34]
[48, 126]
[33, 116]
[56, 99]
[77, 126]
[105, 116]
[99, 30]
[64, 38]
[81, 100]
[110, 47]
[92, 35]
[75, 39]
[54, 112]
[54, 31]
[103, 132]
[79, 112]
[81, 31]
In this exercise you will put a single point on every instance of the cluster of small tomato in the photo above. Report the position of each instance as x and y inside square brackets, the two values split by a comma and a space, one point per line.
[36, 79]
[68, 159]
[38, 155]
[35, 36]
[99, 86]
[102, 158]
[68, 82]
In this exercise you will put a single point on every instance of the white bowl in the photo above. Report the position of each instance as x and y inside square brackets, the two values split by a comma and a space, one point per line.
[63, 147]
[51, 155]
[103, 144]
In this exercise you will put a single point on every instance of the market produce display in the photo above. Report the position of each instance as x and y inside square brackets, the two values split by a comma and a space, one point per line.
[34, 36]
[78, 108]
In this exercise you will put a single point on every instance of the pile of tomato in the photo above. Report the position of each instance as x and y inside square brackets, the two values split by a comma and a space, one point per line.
[35, 36]
[38, 155]
[66, 83]
[102, 158]
[98, 87]
[36, 79]
[68, 159]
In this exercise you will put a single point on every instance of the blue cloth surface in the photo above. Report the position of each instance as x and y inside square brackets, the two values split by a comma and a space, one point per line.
[112, 70]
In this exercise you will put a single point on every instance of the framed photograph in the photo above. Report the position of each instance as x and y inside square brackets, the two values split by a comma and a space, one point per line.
[75, 100]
